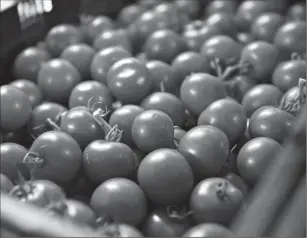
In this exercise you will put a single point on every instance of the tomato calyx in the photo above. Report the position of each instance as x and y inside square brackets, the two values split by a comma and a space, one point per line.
[175, 139]
[221, 191]
[103, 224]
[59, 208]
[176, 212]
[228, 160]
[298, 56]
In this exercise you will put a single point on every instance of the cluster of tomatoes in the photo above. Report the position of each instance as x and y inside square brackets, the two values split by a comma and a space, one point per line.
[158, 123]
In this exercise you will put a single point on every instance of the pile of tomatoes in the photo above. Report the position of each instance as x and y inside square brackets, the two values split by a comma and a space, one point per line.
[158, 123]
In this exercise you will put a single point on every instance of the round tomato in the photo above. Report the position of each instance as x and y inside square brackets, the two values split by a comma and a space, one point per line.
[38, 192]
[255, 156]
[215, 200]
[96, 27]
[15, 108]
[223, 21]
[265, 26]
[221, 6]
[164, 45]
[168, 103]
[104, 160]
[56, 79]
[119, 230]
[103, 61]
[260, 95]
[6, 184]
[80, 56]
[206, 148]
[199, 90]
[208, 230]
[165, 177]
[297, 11]
[61, 36]
[121, 200]
[129, 14]
[129, 80]
[227, 115]
[58, 158]
[272, 122]
[287, 74]
[28, 62]
[237, 181]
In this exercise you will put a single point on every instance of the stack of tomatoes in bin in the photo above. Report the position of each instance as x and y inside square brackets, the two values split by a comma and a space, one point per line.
[158, 123]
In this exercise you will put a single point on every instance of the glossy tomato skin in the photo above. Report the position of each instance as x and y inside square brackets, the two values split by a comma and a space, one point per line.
[244, 38]
[29, 88]
[80, 55]
[255, 156]
[238, 182]
[199, 90]
[11, 154]
[28, 63]
[120, 230]
[129, 14]
[223, 21]
[124, 117]
[16, 108]
[291, 37]
[238, 86]
[222, 6]
[118, 37]
[121, 200]
[96, 26]
[164, 45]
[167, 103]
[272, 122]
[38, 192]
[81, 125]
[227, 115]
[104, 160]
[84, 91]
[287, 74]
[104, 59]
[57, 78]
[6, 184]
[208, 230]
[222, 47]
[61, 36]
[166, 177]
[266, 25]
[134, 85]
[262, 57]
[159, 224]
[61, 154]
[151, 130]
[196, 143]
[297, 11]
[260, 95]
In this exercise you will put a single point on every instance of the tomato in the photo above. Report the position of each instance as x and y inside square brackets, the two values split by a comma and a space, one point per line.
[222, 47]
[199, 90]
[266, 25]
[198, 33]
[244, 38]
[287, 74]
[129, 14]
[96, 27]
[104, 160]
[162, 72]
[272, 122]
[208, 230]
[129, 80]
[187, 63]
[29, 88]
[104, 59]
[165, 177]
[80, 56]
[227, 115]
[121, 200]
[191, 8]
[160, 223]
[260, 95]
[61, 36]
[74, 210]
[221, 6]
[248, 11]
[15, 108]
[291, 37]
[297, 11]
[118, 37]
[238, 182]
[38, 192]
[164, 45]
[56, 79]
[262, 58]
[223, 21]
[206, 148]
[59, 157]
[168, 103]
[120, 230]
[38, 121]
[28, 62]
[6, 184]
[255, 156]
[151, 130]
